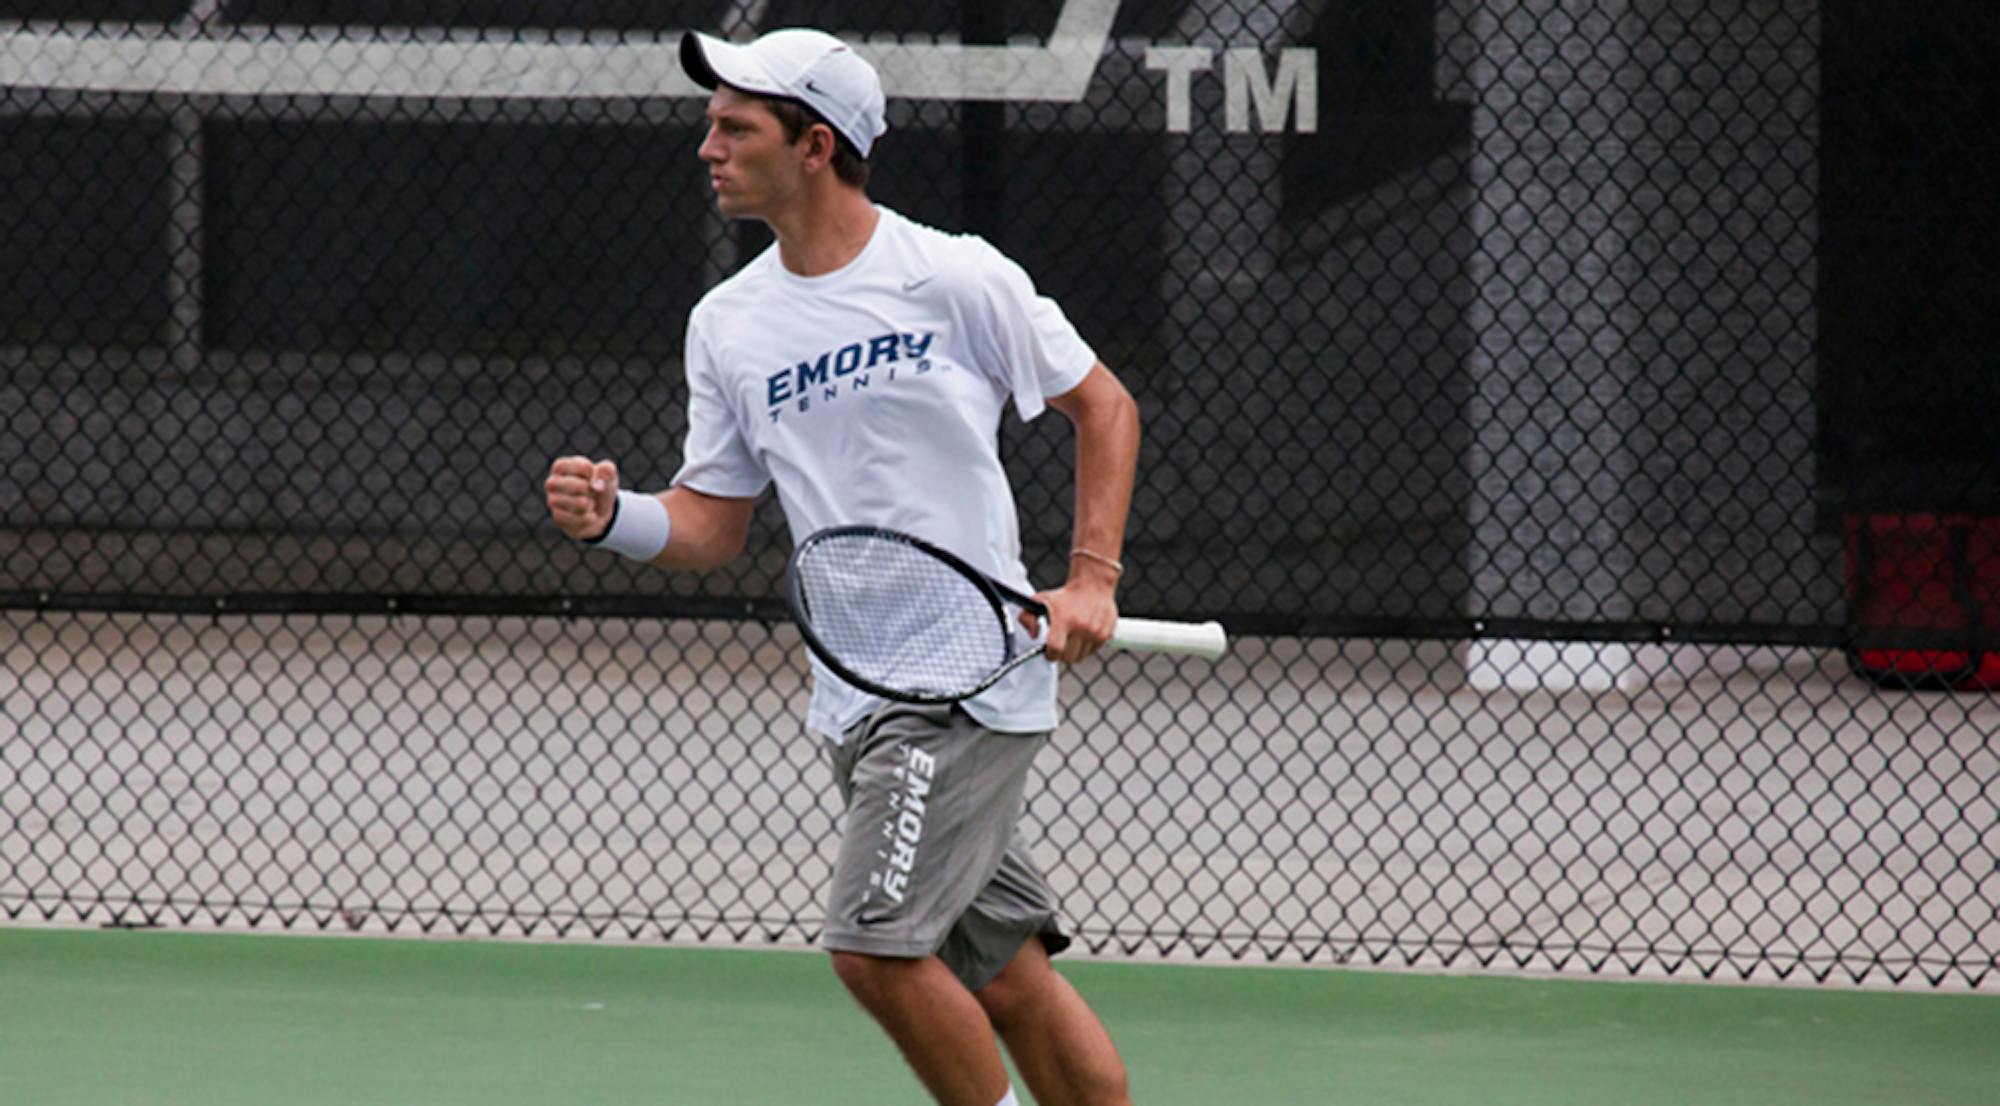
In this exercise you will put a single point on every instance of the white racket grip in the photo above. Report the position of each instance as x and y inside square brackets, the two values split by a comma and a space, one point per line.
[1145, 635]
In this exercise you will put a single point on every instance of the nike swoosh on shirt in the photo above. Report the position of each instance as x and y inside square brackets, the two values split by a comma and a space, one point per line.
[913, 285]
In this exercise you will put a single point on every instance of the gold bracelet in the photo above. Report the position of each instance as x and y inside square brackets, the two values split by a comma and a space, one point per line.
[1094, 555]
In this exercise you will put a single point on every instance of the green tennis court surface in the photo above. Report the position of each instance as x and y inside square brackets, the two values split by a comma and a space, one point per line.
[215, 1019]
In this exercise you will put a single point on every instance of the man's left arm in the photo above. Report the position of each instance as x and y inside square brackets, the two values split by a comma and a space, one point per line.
[1084, 611]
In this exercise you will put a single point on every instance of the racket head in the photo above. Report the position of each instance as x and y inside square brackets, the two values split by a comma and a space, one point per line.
[899, 617]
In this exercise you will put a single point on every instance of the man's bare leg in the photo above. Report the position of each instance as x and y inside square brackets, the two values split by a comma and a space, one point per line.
[1061, 1049]
[942, 1030]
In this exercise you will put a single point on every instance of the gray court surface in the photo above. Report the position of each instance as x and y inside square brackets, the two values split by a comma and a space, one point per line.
[1730, 812]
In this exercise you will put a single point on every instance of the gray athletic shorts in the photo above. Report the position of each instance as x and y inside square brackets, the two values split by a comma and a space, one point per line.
[931, 854]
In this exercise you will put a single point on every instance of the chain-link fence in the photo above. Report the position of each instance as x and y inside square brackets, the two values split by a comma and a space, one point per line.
[1581, 414]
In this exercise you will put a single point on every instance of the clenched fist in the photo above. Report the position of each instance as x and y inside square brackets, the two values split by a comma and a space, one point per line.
[581, 495]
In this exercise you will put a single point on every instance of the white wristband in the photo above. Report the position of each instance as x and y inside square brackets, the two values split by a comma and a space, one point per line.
[639, 527]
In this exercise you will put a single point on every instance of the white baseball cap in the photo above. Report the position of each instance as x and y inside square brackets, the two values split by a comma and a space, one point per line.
[812, 67]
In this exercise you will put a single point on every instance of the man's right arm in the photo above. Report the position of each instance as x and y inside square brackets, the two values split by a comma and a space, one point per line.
[705, 531]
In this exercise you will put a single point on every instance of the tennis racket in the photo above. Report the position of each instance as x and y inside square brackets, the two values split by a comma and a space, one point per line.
[901, 618]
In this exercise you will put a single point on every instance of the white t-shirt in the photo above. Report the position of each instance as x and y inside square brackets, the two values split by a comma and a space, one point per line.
[872, 395]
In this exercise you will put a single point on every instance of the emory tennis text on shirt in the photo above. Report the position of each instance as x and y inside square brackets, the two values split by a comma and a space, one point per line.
[850, 367]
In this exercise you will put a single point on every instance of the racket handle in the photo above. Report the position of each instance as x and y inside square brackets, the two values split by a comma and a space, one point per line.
[1145, 635]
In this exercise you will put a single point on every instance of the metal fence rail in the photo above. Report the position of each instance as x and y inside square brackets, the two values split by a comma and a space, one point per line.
[1579, 413]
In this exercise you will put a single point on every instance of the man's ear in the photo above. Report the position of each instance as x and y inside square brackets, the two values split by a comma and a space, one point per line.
[820, 146]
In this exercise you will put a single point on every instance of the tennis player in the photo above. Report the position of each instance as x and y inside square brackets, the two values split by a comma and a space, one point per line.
[862, 365]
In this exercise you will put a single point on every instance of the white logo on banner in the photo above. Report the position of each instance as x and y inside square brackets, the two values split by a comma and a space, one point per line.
[244, 60]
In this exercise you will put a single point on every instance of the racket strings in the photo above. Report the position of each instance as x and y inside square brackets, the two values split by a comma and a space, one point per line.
[895, 616]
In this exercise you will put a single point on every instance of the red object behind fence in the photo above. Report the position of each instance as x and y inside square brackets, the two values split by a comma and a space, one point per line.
[1927, 572]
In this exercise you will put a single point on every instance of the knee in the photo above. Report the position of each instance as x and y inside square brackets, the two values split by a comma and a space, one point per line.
[1015, 993]
[872, 980]
[1004, 1004]
[860, 974]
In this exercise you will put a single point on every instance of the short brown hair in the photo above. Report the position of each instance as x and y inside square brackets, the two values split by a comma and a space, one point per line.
[795, 117]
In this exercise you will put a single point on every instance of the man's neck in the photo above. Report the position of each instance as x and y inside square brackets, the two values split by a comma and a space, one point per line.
[821, 237]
